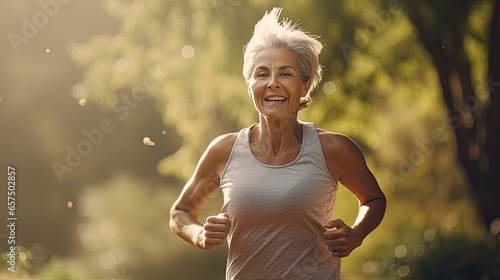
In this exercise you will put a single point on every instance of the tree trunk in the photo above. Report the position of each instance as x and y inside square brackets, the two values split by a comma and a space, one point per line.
[492, 145]
[475, 121]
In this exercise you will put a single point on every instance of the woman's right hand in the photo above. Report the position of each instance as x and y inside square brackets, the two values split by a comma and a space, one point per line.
[215, 229]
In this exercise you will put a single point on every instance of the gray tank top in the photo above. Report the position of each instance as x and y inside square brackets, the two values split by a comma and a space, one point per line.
[277, 213]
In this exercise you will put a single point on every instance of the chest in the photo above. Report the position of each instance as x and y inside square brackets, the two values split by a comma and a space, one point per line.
[257, 192]
[283, 157]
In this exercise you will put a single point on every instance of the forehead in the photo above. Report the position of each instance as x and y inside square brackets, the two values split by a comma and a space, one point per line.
[275, 57]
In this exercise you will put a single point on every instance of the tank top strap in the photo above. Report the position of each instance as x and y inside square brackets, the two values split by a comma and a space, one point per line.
[313, 148]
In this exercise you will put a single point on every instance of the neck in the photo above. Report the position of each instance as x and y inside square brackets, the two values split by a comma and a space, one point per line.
[278, 136]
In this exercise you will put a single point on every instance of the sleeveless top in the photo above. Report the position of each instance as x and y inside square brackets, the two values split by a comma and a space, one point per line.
[277, 213]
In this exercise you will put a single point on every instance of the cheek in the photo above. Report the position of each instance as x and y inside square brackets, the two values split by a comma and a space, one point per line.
[256, 89]
[303, 91]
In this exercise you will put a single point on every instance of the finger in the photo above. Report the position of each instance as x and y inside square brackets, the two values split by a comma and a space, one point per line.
[217, 220]
[334, 224]
[216, 234]
[335, 234]
[224, 215]
[213, 241]
[216, 227]
[336, 242]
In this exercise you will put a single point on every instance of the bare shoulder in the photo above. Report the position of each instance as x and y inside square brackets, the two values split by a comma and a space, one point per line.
[217, 153]
[343, 156]
[337, 143]
[223, 143]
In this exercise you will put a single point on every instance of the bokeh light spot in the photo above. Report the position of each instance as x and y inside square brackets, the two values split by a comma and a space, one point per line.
[329, 88]
[89, 237]
[429, 234]
[369, 267]
[90, 206]
[404, 271]
[400, 251]
[187, 51]
[495, 226]
[107, 260]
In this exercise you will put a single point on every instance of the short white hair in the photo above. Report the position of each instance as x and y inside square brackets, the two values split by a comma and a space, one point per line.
[270, 33]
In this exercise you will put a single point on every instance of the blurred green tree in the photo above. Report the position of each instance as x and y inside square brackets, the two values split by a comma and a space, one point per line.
[380, 87]
[453, 32]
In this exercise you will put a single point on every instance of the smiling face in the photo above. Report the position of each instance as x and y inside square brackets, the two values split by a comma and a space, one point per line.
[276, 86]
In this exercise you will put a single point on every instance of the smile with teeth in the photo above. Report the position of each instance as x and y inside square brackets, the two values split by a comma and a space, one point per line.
[276, 99]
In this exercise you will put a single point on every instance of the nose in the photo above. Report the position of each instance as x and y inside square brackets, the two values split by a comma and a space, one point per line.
[273, 83]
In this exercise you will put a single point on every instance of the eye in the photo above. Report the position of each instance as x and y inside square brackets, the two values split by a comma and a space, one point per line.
[287, 74]
[261, 74]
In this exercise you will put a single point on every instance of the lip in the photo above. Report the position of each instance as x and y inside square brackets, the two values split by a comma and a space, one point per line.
[275, 99]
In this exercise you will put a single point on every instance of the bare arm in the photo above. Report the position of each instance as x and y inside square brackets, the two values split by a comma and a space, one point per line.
[205, 180]
[347, 164]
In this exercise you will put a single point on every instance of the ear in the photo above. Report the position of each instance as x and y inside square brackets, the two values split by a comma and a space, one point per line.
[307, 86]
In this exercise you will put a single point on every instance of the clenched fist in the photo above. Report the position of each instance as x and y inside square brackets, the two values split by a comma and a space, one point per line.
[214, 231]
[340, 238]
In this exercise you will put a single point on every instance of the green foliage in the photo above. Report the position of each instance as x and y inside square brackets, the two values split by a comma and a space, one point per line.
[22, 264]
[458, 257]
[125, 227]
[379, 87]
[59, 269]
[183, 47]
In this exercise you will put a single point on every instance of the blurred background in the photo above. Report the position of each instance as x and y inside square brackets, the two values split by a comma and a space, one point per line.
[106, 106]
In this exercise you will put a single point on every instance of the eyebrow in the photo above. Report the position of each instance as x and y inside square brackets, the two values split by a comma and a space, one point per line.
[280, 68]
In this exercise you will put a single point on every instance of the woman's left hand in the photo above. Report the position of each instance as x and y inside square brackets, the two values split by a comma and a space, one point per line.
[341, 239]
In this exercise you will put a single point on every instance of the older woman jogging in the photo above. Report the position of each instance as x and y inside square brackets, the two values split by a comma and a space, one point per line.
[280, 176]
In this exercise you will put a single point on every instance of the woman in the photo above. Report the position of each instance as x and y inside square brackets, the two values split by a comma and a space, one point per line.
[280, 176]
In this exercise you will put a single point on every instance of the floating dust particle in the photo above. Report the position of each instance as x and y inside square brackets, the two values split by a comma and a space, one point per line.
[148, 142]
[82, 102]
